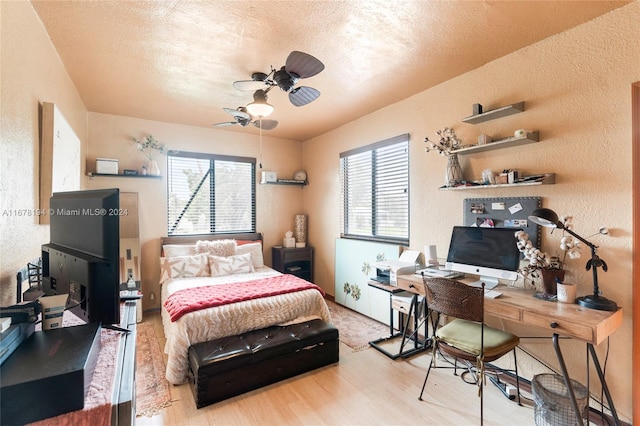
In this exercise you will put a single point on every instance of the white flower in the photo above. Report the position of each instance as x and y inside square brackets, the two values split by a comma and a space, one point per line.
[448, 142]
[539, 259]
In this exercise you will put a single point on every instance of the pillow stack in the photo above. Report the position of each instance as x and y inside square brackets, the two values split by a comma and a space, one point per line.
[210, 258]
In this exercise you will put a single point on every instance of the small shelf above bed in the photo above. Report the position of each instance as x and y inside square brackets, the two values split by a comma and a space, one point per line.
[93, 174]
[286, 182]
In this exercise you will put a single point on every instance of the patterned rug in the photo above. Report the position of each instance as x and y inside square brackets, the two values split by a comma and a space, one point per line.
[152, 389]
[356, 330]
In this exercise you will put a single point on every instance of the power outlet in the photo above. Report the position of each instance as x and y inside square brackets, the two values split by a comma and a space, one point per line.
[512, 391]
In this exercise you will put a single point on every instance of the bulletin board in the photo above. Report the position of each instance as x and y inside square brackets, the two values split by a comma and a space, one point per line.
[504, 212]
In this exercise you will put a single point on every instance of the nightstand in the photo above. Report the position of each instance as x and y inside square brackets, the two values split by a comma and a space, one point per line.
[294, 261]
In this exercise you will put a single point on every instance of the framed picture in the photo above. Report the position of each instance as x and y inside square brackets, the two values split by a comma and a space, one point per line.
[60, 167]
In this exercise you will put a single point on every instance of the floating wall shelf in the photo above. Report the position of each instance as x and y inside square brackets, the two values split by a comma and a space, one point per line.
[546, 179]
[92, 175]
[495, 113]
[503, 143]
[286, 182]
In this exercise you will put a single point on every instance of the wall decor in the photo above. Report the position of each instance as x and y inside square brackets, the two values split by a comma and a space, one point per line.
[60, 168]
[503, 212]
[301, 230]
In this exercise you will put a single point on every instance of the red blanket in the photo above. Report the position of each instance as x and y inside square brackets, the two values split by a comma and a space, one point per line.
[193, 299]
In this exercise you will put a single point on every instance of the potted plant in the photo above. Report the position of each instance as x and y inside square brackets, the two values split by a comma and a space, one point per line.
[541, 267]
[150, 147]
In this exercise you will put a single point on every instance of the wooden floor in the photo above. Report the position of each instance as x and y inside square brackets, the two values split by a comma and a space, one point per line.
[364, 388]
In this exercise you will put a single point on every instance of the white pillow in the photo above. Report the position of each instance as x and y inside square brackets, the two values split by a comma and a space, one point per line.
[184, 267]
[174, 250]
[237, 264]
[255, 249]
[216, 247]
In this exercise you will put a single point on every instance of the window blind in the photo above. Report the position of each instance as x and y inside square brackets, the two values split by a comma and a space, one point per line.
[210, 194]
[375, 191]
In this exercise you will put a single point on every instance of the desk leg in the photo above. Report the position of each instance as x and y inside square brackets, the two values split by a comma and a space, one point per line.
[603, 382]
[567, 381]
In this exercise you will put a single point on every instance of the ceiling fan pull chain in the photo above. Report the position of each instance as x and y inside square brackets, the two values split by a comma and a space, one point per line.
[260, 127]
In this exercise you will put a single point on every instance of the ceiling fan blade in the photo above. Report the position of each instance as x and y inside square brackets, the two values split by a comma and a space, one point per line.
[303, 95]
[303, 65]
[249, 85]
[228, 123]
[265, 124]
[238, 113]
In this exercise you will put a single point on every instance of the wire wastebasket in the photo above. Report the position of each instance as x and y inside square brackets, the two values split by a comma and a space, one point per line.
[553, 403]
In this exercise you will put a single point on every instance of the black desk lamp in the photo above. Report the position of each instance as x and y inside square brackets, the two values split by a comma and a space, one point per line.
[548, 218]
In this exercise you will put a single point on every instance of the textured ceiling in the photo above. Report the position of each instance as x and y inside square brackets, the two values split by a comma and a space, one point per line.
[176, 61]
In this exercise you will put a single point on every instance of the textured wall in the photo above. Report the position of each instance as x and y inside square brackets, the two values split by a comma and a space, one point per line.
[277, 205]
[576, 87]
[31, 74]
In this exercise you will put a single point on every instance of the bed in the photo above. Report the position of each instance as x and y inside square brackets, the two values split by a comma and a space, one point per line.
[184, 256]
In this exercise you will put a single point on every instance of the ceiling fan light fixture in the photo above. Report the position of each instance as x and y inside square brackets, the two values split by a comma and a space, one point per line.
[260, 107]
[285, 80]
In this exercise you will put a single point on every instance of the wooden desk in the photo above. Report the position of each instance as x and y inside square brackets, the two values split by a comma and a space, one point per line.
[519, 305]
[570, 320]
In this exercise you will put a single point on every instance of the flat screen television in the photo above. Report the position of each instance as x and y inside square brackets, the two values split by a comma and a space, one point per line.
[491, 253]
[82, 257]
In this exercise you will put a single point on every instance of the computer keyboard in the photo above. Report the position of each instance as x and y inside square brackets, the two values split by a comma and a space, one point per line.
[492, 294]
[438, 273]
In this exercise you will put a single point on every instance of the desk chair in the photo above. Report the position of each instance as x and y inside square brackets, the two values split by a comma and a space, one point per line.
[465, 337]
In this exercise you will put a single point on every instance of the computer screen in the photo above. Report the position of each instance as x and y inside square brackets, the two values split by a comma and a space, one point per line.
[491, 253]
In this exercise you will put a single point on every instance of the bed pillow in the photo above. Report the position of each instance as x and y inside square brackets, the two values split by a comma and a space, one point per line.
[236, 264]
[255, 249]
[184, 267]
[220, 248]
[174, 250]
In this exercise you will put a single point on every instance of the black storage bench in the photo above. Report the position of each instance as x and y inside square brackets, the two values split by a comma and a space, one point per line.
[230, 366]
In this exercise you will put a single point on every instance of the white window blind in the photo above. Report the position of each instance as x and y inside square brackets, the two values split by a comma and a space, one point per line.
[210, 194]
[375, 191]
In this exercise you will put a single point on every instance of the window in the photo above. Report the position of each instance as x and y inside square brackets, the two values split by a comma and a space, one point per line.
[375, 191]
[210, 194]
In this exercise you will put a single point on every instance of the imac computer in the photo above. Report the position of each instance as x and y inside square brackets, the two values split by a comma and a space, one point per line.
[491, 253]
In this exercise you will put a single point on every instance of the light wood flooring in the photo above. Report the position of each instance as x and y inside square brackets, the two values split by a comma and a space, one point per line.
[364, 388]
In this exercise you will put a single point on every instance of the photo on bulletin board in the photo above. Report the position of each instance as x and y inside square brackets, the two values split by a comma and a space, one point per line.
[503, 212]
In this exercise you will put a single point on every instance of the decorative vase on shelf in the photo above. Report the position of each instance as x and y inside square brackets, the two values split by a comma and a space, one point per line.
[453, 175]
[153, 169]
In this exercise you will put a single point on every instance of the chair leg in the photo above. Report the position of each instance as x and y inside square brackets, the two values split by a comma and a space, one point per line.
[481, 391]
[515, 362]
[431, 363]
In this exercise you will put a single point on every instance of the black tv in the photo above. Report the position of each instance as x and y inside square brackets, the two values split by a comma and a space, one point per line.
[82, 257]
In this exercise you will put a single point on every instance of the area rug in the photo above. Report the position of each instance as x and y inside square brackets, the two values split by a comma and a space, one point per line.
[152, 389]
[356, 330]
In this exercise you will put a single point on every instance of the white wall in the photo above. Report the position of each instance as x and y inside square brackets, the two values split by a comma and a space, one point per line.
[576, 88]
[31, 72]
[276, 205]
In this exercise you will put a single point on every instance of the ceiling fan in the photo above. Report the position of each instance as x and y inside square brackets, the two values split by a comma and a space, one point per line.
[243, 118]
[298, 65]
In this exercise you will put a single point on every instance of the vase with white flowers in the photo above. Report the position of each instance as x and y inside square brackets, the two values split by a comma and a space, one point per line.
[544, 268]
[448, 143]
[150, 147]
